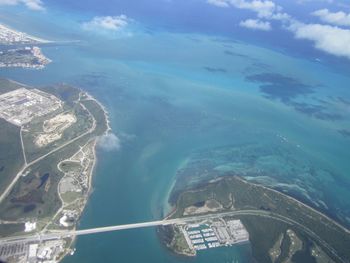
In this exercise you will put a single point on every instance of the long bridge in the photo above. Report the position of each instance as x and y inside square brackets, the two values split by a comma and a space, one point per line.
[59, 234]
[71, 233]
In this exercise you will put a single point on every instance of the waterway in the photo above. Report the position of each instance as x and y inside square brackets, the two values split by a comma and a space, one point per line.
[170, 94]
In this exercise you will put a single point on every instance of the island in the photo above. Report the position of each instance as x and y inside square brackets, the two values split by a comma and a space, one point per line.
[233, 211]
[27, 57]
[48, 138]
[21, 50]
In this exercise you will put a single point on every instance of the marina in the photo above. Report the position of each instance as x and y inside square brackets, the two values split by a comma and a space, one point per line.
[215, 233]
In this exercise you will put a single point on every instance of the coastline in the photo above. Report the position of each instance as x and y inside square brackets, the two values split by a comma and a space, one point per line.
[297, 201]
[33, 38]
[273, 205]
[92, 144]
[243, 180]
[105, 112]
[69, 248]
[94, 165]
[74, 169]
[92, 171]
[29, 57]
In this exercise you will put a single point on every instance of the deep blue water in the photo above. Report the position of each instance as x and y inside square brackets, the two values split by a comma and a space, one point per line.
[178, 82]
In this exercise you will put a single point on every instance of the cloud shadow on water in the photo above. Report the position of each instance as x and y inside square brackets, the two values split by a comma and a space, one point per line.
[215, 70]
[279, 87]
[320, 112]
[293, 92]
[345, 133]
[235, 54]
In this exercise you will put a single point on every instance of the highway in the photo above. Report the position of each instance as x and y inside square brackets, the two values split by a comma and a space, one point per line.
[22, 144]
[183, 220]
[27, 165]
[70, 233]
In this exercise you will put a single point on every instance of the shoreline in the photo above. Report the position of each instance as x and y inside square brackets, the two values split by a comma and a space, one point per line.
[94, 144]
[18, 83]
[91, 174]
[32, 58]
[316, 217]
[70, 248]
[30, 37]
[243, 180]
[297, 201]
[105, 112]
[74, 184]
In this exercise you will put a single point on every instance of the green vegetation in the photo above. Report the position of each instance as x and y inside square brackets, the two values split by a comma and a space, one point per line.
[70, 167]
[263, 236]
[236, 194]
[27, 199]
[175, 240]
[34, 128]
[70, 96]
[70, 197]
[21, 57]
[7, 229]
[11, 157]
[180, 243]
[35, 195]
[7, 85]
[99, 115]
[66, 93]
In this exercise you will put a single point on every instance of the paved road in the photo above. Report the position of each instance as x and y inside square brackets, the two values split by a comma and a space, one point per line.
[183, 220]
[68, 233]
[22, 144]
[27, 165]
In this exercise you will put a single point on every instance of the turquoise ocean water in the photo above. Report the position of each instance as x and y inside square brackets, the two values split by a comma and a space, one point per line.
[170, 94]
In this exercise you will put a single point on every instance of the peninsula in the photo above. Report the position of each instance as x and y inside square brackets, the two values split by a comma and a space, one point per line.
[9, 36]
[48, 141]
[21, 50]
[278, 227]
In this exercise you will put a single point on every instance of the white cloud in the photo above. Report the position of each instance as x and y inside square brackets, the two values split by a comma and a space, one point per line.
[263, 8]
[337, 18]
[310, 1]
[328, 38]
[219, 3]
[256, 24]
[36, 5]
[284, 17]
[109, 142]
[8, 2]
[109, 23]
[331, 39]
